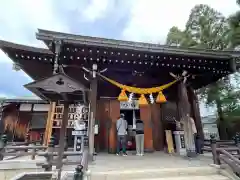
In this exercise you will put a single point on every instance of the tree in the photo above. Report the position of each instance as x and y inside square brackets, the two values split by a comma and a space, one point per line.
[175, 36]
[208, 29]
[234, 22]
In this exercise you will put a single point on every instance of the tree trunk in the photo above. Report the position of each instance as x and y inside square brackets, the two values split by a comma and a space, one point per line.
[185, 119]
[222, 126]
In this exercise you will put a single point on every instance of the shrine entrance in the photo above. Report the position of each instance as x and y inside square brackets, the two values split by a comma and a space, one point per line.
[132, 113]
[109, 111]
[155, 74]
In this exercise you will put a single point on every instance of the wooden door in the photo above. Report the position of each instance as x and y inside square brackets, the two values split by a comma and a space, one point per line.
[158, 131]
[114, 113]
[145, 114]
[103, 122]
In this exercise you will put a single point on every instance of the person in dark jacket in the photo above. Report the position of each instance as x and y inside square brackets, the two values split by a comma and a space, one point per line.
[139, 137]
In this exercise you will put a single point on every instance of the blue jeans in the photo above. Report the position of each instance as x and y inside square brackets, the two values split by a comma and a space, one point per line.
[121, 140]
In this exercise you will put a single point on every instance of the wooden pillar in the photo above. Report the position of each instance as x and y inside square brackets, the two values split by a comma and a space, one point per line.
[196, 112]
[157, 129]
[63, 130]
[114, 113]
[93, 108]
[145, 115]
[49, 124]
[104, 122]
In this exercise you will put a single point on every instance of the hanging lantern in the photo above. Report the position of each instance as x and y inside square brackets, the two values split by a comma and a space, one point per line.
[130, 97]
[142, 100]
[123, 96]
[151, 98]
[161, 98]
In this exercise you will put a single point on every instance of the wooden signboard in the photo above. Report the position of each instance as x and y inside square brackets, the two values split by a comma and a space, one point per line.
[169, 140]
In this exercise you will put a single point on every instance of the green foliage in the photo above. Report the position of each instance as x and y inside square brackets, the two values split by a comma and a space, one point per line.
[205, 29]
[208, 29]
[2, 99]
[234, 22]
[175, 36]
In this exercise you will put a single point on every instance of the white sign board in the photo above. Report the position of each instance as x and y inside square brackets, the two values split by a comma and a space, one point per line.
[129, 105]
[77, 133]
[96, 129]
[41, 107]
[25, 107]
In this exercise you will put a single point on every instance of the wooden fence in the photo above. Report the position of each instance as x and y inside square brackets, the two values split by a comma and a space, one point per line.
[225, 152]
[50, 153]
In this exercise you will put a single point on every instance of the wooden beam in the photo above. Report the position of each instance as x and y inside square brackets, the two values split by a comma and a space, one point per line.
[62, 135]
[49, 124]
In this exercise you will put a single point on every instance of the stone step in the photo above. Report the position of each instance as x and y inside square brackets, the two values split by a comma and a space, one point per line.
[210, 177]
[155, 173]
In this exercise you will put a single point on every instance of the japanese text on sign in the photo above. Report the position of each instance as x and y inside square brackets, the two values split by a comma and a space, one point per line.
[129, 105]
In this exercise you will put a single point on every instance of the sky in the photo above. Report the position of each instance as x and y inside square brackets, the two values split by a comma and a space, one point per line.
[136, 20]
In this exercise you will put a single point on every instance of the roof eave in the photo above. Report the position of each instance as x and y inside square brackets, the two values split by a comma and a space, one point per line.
[45, 35]
[6, 44]
[30, 101]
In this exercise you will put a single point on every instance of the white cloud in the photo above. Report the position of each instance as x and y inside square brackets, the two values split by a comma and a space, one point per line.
[20, 19]
[151, 19]
[96, 9]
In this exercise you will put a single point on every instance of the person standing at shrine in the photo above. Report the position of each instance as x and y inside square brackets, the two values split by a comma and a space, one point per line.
[121, 126]
[190, 133]
[197, 139]
[139, 137]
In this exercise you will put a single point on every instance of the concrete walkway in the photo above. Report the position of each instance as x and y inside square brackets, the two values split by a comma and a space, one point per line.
[111, 162]
[152, 165]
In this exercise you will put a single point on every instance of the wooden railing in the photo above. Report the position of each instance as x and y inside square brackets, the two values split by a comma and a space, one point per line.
[225, 152]
[50, 153]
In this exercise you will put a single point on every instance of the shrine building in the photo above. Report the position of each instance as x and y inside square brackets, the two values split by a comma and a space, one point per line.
[148, 74]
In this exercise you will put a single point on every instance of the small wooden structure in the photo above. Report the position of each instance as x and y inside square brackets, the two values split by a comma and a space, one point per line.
[23, 115]
[130, 63]
[56, 88]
